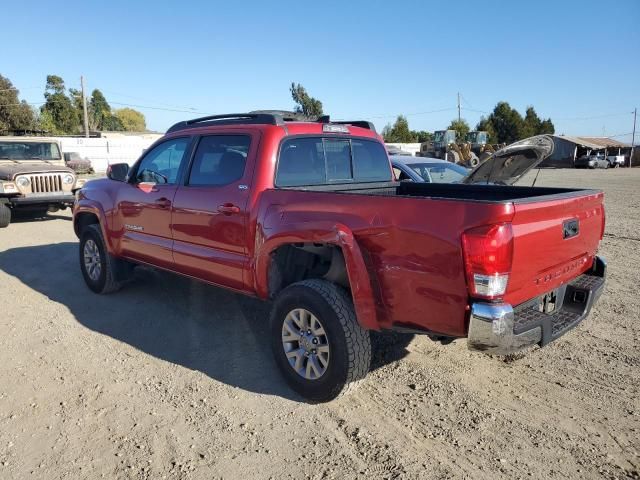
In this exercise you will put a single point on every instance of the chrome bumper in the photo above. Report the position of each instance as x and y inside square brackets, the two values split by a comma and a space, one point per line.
[499, 329]
[491, 330]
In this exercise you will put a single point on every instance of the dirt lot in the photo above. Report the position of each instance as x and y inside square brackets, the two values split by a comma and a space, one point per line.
[173, 379]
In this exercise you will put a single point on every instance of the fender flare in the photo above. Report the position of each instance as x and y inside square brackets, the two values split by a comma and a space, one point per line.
[96, 210]
[330, 233]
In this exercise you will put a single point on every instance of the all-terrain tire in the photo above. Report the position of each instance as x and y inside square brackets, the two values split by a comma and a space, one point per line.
[5, 216]
[106, 281]
[350, 344]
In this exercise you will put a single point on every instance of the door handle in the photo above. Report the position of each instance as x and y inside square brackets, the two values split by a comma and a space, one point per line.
[228, 209]
[163, 202]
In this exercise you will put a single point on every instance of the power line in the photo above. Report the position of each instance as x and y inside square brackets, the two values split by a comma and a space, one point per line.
[157, 108]
[110, 103]
[593, 116]
[619, 135]
[373, 117]
[17, 89]
[147, 100]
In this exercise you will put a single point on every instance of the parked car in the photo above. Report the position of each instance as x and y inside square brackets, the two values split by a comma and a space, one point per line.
[78, 163]
[307, 214]
[33, 177]
[616, 161]
[425, 169]
[596, 160]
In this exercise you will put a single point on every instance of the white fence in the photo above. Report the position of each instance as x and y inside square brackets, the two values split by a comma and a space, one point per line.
[411, 148]
[104, 151]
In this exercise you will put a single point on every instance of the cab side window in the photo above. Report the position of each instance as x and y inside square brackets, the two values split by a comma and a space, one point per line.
[219, 160]
[162, 164]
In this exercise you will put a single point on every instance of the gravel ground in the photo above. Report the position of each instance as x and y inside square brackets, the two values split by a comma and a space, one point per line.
[170, 378]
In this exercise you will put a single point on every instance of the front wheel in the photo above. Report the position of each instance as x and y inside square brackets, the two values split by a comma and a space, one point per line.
[5, 216]
[99, 269]
[316, 340]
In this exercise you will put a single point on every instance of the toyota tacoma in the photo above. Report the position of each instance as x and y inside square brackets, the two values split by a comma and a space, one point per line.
[306, 214]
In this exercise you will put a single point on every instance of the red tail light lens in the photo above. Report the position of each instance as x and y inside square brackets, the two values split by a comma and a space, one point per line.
[488, 255]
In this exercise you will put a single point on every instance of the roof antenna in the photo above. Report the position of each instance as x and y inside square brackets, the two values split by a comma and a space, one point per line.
[534, 180]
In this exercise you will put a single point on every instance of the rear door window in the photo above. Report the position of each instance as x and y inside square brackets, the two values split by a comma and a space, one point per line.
[219, 160]
[321, 160]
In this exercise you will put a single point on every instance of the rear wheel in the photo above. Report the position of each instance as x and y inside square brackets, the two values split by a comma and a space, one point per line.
[98, 267]
[316, 340]
[5, 216]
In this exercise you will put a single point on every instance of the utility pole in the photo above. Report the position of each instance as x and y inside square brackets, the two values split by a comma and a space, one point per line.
[458, 106]
[633, 135]
[84, 108]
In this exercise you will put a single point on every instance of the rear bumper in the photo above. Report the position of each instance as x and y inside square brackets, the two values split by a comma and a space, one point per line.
[42, 200]
[501, 329]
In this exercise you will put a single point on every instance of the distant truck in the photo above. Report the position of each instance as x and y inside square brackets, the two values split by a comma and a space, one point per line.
[307, 214]
[34, 177]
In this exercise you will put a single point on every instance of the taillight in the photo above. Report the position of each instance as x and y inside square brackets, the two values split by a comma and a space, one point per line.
[604, 222]
[488, 254]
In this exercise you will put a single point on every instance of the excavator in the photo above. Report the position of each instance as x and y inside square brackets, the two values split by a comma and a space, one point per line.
[474, 150]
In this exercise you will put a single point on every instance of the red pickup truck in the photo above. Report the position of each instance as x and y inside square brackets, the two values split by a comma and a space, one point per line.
[307, 214]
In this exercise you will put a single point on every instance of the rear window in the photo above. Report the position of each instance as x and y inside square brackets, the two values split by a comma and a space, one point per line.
[318, 160]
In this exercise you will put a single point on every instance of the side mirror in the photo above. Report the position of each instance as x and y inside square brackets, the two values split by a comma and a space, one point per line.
[118, 172]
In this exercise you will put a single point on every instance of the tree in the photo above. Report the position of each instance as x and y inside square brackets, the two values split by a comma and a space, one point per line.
[59, 106]
[99, 111]
[44, 121]
[506, 123]
[305, 104]
[131, 120]
[113, 124]
[484, 125]
[421, 136]
[14, 114]
[532, 123]
[461, 127]
[398, 132]
[547, 127]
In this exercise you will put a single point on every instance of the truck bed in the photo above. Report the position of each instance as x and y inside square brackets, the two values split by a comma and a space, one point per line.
[411, 236]
[452, 191]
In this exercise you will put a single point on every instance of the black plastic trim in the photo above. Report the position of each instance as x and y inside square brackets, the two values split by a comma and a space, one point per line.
[229, 119]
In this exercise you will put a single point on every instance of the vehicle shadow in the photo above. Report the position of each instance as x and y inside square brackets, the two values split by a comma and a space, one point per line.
[26, 217]
[221, 334]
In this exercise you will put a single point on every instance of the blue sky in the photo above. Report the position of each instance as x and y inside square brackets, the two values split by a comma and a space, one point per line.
[577, 62]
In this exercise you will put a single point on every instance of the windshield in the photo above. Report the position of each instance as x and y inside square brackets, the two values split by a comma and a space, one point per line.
[477, 137]
[440, 172]
[29, 151]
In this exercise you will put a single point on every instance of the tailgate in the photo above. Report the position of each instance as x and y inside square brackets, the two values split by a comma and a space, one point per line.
[555, 240]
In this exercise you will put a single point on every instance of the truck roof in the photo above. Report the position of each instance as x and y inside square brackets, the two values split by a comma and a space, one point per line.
[295, 123]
